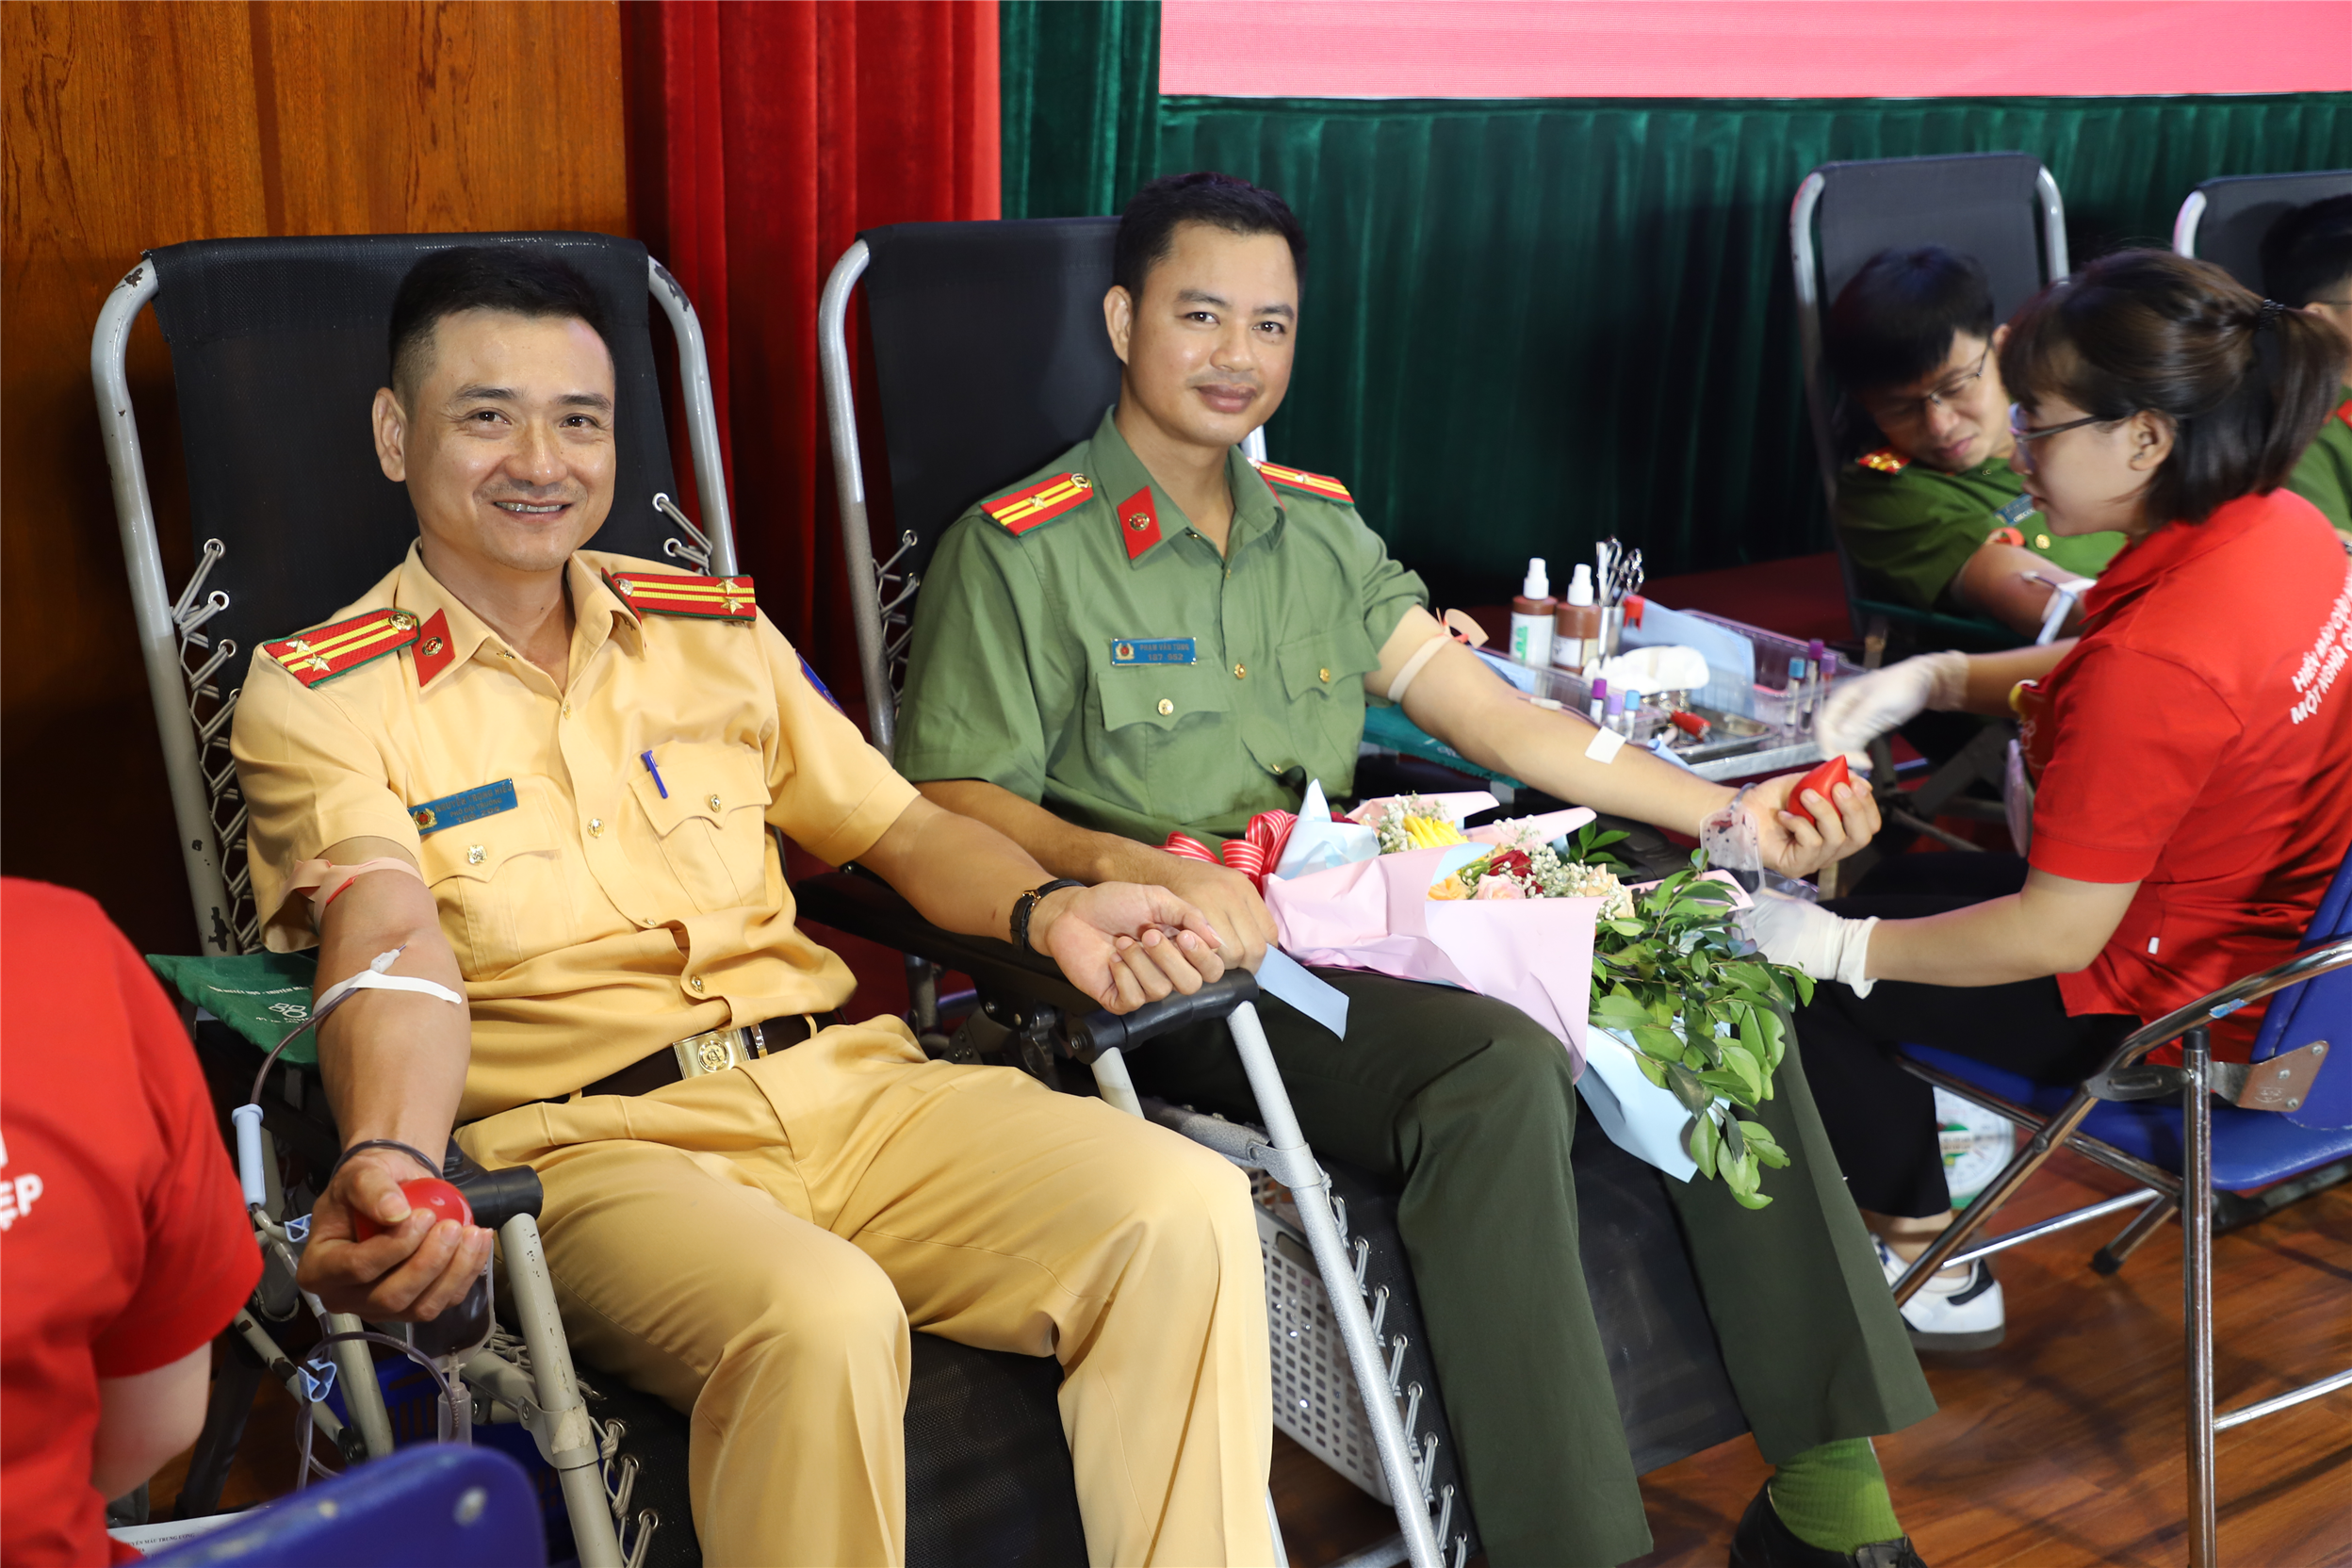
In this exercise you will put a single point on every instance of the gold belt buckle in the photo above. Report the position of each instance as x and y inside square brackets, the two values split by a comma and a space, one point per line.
[713, 1051]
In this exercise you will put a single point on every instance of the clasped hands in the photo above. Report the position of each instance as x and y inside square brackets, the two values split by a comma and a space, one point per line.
[1126, 944]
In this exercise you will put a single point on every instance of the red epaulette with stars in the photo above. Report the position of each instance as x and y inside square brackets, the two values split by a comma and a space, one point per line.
[707, 598]
[1041, 502]
[1885, 461]
[324, 652]
[1313, 485]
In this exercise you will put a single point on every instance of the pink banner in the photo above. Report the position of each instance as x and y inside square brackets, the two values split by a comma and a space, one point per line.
[1749, 48]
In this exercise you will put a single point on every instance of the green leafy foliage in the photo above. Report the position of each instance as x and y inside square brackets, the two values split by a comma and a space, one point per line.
[1709, 1018]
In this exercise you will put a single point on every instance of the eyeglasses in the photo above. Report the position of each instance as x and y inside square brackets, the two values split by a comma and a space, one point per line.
[1912, 411]
[2023, 457]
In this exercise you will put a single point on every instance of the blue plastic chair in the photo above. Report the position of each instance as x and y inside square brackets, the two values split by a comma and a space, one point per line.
[445, 1503]
[2280, 1117]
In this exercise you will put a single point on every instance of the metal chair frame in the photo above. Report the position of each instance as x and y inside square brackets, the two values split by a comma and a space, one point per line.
[2267, 1085]
[533, 1378]
[884, 618]
[1808, 285]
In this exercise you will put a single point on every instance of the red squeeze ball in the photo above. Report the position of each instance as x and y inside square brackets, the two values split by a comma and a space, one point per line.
[1824, 778]
[425, 1192]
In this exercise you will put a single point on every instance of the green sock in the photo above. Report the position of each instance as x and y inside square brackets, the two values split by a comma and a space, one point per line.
[1835, 1496]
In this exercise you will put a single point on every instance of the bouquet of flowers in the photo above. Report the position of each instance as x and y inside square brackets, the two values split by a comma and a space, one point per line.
[1674, 1024]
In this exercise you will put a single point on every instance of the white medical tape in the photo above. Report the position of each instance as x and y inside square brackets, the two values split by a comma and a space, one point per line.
[373, 978]
[1604, 745]
[1426, 651]
[368, 980]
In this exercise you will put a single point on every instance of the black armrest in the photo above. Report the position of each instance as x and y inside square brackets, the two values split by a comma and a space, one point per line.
[494, 1195]
[864, 905]
[1099, 1031]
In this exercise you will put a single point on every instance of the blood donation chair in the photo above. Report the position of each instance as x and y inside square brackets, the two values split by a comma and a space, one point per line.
[277, 348]
[2223, 221]
[989, 359]
[2003, 208]
[2282, 1130]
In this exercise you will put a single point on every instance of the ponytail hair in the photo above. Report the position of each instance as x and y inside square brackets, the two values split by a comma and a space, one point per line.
[2245, 381]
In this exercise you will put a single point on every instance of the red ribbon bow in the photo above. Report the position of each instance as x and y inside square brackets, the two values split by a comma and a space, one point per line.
[1255, 854]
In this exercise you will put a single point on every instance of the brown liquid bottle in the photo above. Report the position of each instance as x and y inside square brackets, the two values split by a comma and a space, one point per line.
[1576, 626]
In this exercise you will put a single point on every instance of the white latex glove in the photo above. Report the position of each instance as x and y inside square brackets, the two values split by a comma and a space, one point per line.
[1806, 936]
[1860, 711]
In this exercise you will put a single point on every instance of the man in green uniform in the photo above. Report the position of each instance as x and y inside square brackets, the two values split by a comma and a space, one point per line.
[2307, 262]
[1932, 515]
[1153, 633]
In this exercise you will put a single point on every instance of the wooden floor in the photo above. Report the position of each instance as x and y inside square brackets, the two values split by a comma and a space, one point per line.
[2062, 1447]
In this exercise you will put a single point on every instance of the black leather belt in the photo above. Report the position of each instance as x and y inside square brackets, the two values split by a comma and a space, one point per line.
[713, 1051]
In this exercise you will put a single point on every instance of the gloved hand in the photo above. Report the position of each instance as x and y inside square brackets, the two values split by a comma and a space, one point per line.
[1805, 935]
[1860, 711]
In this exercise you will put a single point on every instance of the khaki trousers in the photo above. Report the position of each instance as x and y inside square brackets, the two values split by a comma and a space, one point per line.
[753, 1246]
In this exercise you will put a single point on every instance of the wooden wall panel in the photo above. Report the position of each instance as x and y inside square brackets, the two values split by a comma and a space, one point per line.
[145, 123]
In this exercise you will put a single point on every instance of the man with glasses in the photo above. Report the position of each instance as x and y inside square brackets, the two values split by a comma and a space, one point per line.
[1931, 513]
[2307, 263]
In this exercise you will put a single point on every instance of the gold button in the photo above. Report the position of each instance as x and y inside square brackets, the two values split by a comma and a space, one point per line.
[1240, 673]
[695, 982]
[596, 827]
[473, 854]
[714, 803]
[1167, 706]
[1326, 674]
[567, 709]
[2041, 541]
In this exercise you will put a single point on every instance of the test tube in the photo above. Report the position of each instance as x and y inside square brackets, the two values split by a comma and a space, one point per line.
[1813, 652]
[1600, 701]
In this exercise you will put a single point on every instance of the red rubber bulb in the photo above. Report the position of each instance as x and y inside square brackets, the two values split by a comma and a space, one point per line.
[1824, 778]
[424, 1192]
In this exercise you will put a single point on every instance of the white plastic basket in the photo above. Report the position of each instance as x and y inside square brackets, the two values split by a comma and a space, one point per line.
[1316, 1402]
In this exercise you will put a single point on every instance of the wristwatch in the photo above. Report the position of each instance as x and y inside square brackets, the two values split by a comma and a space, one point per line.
[1027, 904]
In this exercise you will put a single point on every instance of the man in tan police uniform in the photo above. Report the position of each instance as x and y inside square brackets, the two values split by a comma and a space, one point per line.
[554, 772]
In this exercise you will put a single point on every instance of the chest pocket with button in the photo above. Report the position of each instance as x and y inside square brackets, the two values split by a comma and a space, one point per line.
[498, 884]
[1166, 742]
[1323, 683]
[712, 825]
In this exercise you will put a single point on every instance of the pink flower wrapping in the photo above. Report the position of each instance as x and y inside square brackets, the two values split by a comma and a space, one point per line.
[1376, 915]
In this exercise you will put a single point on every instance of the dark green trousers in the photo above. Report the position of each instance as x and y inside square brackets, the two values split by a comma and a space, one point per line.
[1467, 1105]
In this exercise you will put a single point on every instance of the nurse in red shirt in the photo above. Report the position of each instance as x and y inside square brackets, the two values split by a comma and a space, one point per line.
[123, 1242]
[2196, 796]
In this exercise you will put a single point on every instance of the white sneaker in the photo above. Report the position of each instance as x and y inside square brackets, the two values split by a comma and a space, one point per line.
[1965, 1314]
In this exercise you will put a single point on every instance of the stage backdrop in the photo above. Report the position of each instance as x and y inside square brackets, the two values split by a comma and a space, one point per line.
[1531, 322]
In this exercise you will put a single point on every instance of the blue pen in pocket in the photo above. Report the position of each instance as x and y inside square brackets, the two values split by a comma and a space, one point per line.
[647, 757]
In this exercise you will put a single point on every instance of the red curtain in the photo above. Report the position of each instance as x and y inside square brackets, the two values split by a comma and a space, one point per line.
[762, 137]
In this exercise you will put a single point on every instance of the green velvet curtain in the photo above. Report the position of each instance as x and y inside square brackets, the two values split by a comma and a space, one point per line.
[1532, 323]
[1080, 85]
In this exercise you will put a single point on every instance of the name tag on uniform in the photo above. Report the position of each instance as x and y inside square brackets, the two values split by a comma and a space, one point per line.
[484, 800]
[2015, 512]
[1152, 650]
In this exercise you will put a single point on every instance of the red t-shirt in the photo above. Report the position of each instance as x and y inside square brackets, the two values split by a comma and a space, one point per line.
[124, 1241]
[2203, 749]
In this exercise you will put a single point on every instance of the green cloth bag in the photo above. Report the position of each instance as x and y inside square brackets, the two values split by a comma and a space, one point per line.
[260, 995]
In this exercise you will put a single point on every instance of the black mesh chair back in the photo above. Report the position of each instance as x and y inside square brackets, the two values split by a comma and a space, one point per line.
[2223, 221]
[2003, 208]
[989, 356]
[990, 361]
[297, 327]
[1983, 204]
